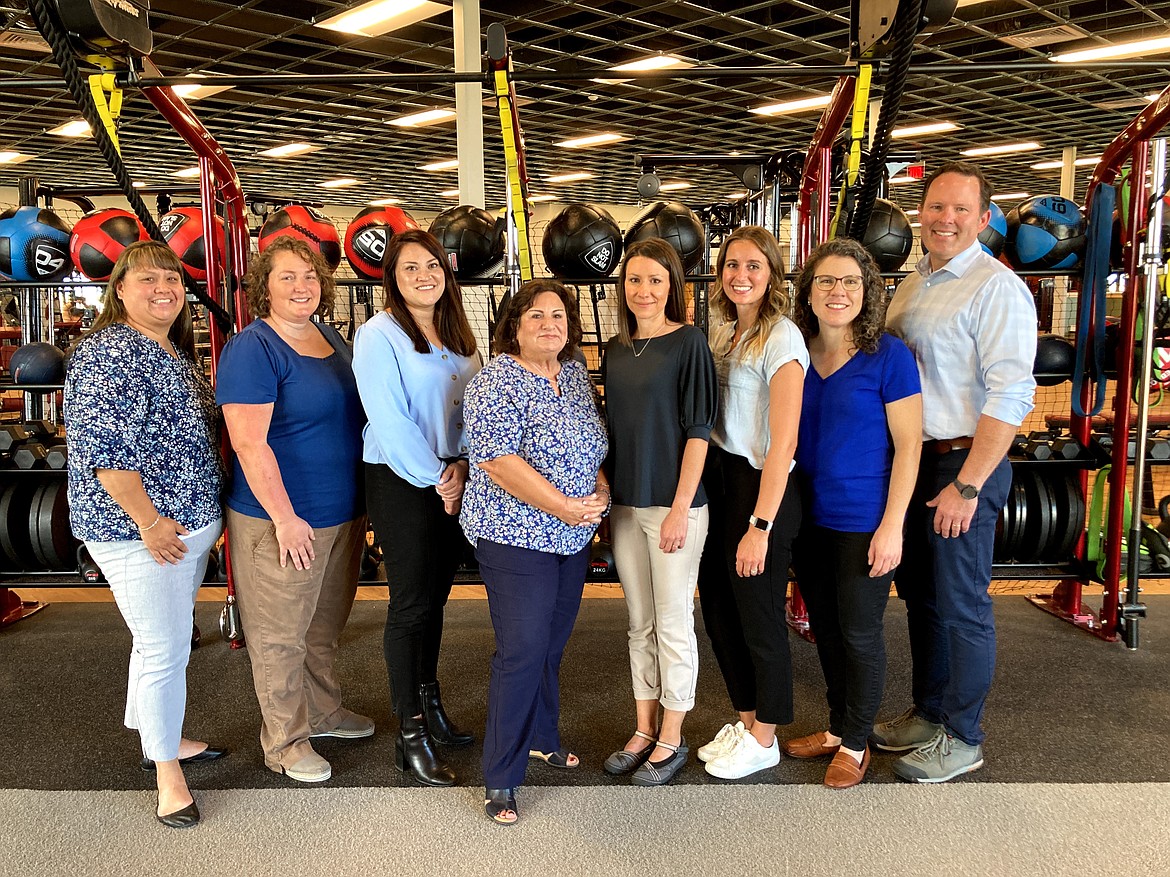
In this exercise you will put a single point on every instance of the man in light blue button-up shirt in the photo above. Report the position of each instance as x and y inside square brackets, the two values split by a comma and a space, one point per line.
[971, 323]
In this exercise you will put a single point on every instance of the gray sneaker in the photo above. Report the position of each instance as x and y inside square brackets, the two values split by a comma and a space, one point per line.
[908, 731]
[943, 758]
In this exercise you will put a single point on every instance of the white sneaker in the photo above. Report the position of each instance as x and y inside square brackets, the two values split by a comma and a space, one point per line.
[746, 758]
[723, 743]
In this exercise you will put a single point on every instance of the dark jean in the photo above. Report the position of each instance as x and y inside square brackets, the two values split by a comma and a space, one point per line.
[533, 598]
[845, 610]
[421, 546]
[948, 610]
[746, 617]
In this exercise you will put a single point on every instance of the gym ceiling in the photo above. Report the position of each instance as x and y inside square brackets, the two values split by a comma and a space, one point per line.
[1055, 105]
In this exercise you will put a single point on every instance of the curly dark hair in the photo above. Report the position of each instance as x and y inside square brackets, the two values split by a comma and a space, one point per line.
[450, 318]
[521, 303]
[256, 282]
[870, 323]
[667, 256]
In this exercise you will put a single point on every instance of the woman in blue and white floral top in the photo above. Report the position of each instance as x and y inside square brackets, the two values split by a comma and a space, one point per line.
[533, 500]
[144, 482]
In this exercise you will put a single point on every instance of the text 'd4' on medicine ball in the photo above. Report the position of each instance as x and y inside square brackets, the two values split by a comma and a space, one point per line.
[676, 224]
[888, 237]
[37, 363]
[34, 245]
[366, 237]
[472, 238]
[309, 225]
[1045, 232]
[582, 241]
[182, 229]
[1056, 359]
[99, 238]
[994, 235]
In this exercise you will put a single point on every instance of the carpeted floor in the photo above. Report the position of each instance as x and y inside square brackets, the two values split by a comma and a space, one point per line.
[1066, 708]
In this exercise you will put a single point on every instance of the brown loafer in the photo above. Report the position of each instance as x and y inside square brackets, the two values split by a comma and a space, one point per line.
[844, 772]
[812, 746]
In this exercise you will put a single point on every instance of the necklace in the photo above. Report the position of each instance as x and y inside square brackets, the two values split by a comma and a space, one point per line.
[638, 352]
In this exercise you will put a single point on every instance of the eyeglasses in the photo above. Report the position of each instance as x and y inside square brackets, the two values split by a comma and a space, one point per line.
[826, 282]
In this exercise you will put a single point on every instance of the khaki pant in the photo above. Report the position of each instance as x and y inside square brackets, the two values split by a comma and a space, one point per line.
[292, 622]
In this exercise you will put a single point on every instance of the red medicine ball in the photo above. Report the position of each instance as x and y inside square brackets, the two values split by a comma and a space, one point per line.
[99, 238]
[367, 235]
[182, 229]
[305, 223]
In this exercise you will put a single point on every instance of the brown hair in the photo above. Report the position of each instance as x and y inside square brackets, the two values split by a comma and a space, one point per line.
[521, 303]
[256, 282]
[963, 169]
[148, 254]
[867, 327]
[450, 319]
[667, 256]
[775, 304]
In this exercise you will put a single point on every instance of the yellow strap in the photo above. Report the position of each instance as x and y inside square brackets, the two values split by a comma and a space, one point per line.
[108, 108]
[515, 185]
[856, 133]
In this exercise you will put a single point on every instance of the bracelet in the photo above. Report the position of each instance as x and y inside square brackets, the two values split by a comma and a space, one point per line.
[152, 526]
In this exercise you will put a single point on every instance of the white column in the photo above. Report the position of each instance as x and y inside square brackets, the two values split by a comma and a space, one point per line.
[469, 103]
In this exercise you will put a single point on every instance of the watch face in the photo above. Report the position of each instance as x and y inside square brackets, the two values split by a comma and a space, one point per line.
[969, 492]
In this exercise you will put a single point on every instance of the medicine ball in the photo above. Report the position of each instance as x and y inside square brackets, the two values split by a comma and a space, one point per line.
[1056, 359]
[99, 238]
[583, 240]
[994, 235]
[888, 237]
[182, 229]
[472, 238]
[1045, 232]
[34, 245]
[308, 225]
[676, 224]
[37, 363]
[366, 237]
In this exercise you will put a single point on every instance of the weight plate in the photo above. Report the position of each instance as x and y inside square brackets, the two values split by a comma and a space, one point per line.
[1019, 501]
[1004, 526]
[1038, 529]
[36, 523]
[58, 545]
[15, 506]
[1070, 516]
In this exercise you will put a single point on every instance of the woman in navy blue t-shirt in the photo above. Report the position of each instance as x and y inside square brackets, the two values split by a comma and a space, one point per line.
[857, 459]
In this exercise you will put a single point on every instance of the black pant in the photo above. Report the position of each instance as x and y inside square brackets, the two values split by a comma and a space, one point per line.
[845, 611]
[746, 617]
[421, 547]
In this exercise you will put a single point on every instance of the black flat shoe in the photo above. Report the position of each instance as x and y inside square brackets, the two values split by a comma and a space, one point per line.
[184, 818]
[497, 802]
[211, 753]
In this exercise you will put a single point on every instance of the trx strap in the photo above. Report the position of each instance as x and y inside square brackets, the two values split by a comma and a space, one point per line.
[505, 89]
[1095, 541]
[108, 109]
[1090, 359]
[841, 218]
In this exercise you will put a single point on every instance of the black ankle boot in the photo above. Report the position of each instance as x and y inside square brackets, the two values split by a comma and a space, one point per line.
[442, 729]
[413, 753]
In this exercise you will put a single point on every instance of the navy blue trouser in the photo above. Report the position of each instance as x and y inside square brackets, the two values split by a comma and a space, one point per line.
[533, 598]
[944, 583]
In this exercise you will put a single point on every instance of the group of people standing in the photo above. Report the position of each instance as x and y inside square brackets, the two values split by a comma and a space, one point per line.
[800, 433]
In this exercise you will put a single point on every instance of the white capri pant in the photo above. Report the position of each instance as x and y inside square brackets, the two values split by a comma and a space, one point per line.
[660, 598]
[157, 603]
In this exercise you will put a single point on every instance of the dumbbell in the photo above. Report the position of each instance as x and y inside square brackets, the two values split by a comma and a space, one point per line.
[11, 435]
[42, 429]
[1066, 448]
[1158, 447]
[34, 455]
[1038, 446]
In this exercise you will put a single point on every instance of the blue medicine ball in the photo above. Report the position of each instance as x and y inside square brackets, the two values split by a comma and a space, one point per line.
[1045, 232]
[995, 234]
[34, 245]
[37, 363]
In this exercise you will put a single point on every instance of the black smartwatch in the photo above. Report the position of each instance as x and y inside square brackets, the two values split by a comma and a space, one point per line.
[760, 523]
[967, 491]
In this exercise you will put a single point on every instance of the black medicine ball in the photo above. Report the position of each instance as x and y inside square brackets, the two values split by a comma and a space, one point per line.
[1056, 359]
[888, 237]
[676, 224]
[474, 241]
[583, 240]
[37, 363]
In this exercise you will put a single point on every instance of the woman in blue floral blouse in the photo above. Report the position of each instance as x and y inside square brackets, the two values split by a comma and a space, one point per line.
[533, 500]
[144, 482]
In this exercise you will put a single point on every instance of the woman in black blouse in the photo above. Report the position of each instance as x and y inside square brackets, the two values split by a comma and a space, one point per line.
[660, 392]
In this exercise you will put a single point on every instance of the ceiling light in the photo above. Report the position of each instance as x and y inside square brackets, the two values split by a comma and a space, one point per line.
[187, 172]
[911, 212]
[591, 140]
[736, 196]
[1010, 196]
[535, 198]
[138, 184]
[382, 16]
[449, 193]
[421, 120]
[339, 183]
[198, 90]
[793, 106]
[916, 225]
[673, 187]
[570, 178]
[383, 202]
[922, 130]
[76, 128]
[1001, 149]
[289, 149]
[1053, 165]
[651, 62]
[448, 165]
[1117, 50]
[898, 181]
[13, 157]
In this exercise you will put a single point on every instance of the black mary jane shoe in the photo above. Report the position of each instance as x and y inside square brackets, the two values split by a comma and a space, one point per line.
[211, 753]
[497, 802]
[185, 818]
